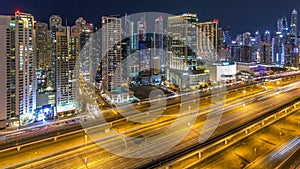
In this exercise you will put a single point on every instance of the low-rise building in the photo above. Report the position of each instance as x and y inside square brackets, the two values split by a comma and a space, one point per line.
[223, 71]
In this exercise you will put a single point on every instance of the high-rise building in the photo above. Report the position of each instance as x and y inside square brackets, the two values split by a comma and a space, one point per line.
[77, 29]
[67, 50]
[239, 39]
[112, 60]
[55, 27]
[184, 64]
[282, 25]
[43, 46]
[183, 43]
[285, 27]
[255, 43]
[279, 25]
[158, 58]
[265, 53]
[7, 76]
[278, 49]
[267, 36]
[246, 39]
[294, 26]
[90, 47]
[44, 74]
[143, 44]
[18, 52]
[25, 65]
[224, 38]
[86, 33]
[131, 61]
[291, 55]
[235, 52]
[207, 39]
[246, 48]
[142, 29]
[55, 22]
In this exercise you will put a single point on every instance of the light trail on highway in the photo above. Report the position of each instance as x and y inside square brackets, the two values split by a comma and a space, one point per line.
[166, 140]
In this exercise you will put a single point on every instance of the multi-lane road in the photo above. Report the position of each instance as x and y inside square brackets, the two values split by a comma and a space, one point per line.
[239, 108]
[268, 147]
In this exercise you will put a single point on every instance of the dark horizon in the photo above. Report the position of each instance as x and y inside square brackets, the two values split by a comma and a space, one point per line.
[240, 16]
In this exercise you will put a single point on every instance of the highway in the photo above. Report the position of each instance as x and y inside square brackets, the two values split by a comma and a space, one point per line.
[238, 116]
[251, 151]
[266, 148]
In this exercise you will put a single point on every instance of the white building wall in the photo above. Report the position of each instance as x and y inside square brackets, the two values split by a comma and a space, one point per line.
[4, 26]
[216, 72]
[229, 70]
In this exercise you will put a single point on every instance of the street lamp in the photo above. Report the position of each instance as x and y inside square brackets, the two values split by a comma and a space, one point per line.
[277, 82]
[255, 152]
[244, 92]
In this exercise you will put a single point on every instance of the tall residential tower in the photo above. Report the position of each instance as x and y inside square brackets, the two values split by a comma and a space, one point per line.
[18, 67]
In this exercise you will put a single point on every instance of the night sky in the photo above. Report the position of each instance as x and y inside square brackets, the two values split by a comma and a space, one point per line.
[240, 15]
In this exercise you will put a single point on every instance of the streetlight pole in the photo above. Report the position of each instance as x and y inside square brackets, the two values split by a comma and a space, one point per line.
[244, 92]
[280, 134]
[85, 143]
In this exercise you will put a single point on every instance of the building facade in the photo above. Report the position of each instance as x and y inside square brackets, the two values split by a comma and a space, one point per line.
[18, 43]
[112, 60]
[67, 51]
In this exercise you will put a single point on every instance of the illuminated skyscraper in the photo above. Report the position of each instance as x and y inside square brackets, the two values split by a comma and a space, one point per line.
[182, 36]
[43, 46]
[183, 60]
[278, 49]
[246, 54]
[19, 59]
[235, 52]
[131, 61]
[267, 36]
[207, 39]
[144, 55]
[142, 28]
[224, 37]
[55, 22]
[282, 25]
[77, 29]
[246, 39]
[67, 51]
[8, 71]
[55, 26]
[294, 25]
[159, 55]
[86, 33]
[255, 43]
[265, 53]
[112, 60]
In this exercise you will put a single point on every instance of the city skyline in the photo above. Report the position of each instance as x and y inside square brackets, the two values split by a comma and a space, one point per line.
[240, 16]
